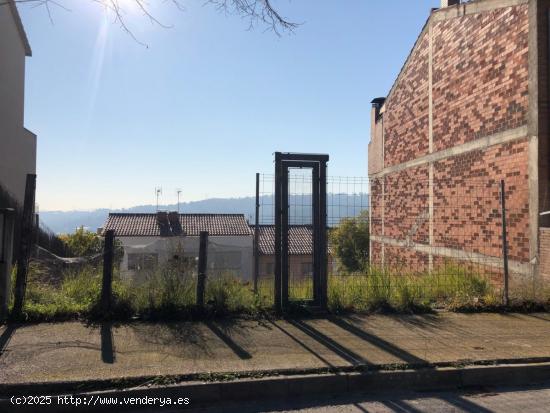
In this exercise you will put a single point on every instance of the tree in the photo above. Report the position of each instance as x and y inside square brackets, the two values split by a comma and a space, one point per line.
[256, 11]
[83, 242]
[350, 242]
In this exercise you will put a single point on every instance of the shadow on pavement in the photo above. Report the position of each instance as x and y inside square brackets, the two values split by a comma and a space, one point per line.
[229, 342]
[347, 354]
[107, 343]
[378, 342]
[466, 405]
[302, 344]
[6, 337]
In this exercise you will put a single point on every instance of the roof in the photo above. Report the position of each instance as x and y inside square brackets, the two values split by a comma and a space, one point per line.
[300, 239]
[20, 28]
[148, 225]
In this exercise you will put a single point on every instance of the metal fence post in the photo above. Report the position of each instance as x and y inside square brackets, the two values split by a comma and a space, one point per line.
[277, 211]
[25, 245]
[257, 235]
[504, 242]
[107, 282]
[7, 220]
[203, 258]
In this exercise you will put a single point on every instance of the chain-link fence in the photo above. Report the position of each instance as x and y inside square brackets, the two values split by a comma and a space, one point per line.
[393, 241]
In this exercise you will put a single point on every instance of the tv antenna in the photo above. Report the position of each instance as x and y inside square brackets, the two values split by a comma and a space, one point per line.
[158, 193]
[178, 192]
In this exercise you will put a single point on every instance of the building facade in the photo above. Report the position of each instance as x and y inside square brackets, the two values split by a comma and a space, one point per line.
[152, 239]
[17, 144]
[300, 251]
[468, 110]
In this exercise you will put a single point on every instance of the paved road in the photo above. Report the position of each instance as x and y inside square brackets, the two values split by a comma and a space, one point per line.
[526, 400]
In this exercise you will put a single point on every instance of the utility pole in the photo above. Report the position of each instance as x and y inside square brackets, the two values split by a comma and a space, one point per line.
[158, 193]
[178, 191]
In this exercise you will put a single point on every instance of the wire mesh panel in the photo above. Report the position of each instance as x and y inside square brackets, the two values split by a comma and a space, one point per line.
[300, 234]
[406, 234]
[347, 207]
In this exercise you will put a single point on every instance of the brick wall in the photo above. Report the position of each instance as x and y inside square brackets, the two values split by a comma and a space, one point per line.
[480, 75]
[406, 115]
[406, 205]
[479, 88]
[467, 201]
[544, 240]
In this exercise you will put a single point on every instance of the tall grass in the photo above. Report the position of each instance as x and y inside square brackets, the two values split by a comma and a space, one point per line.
[382, 290]
[169, 293]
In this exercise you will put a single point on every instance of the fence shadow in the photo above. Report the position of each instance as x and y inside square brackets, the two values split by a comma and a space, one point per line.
[378, 342]
[347, 354]
[229, 342]
[107, 343]
[397, 405]
[6, 336]
[466, 405]
[302, 344]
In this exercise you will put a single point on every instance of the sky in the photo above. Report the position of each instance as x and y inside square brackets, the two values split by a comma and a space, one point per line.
[206, 104]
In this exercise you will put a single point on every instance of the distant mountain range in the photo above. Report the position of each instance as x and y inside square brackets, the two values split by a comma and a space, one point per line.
[339, 206]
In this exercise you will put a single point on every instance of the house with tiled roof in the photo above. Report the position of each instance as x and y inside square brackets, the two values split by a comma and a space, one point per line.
[149, 239]
[300, 249]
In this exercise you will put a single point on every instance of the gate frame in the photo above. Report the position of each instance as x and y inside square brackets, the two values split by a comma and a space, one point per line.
[318, 164]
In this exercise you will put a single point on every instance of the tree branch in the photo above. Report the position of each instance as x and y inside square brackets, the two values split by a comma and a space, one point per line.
[257, 11]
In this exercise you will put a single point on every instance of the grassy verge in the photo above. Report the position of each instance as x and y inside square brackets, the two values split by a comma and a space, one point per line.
[168, 293]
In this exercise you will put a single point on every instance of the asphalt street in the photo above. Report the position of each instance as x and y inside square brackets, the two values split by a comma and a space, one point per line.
[525, 399]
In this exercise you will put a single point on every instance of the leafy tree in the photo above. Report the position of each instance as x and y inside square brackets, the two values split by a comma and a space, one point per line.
[350, 242]
[83, 242]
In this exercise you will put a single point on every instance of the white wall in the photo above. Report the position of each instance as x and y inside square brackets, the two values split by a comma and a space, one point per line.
[17, 145]
[164, 246]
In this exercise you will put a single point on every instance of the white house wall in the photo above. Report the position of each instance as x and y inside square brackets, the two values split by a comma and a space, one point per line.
[164, 247]
[17, 145]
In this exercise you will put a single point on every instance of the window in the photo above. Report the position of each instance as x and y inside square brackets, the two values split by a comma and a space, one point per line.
[138, 262]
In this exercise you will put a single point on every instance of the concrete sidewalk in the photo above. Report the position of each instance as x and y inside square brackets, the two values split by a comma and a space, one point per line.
[73, 351]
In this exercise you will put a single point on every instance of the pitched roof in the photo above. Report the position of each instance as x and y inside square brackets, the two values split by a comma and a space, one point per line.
[147, 224]
[300, 239]
[20, 28]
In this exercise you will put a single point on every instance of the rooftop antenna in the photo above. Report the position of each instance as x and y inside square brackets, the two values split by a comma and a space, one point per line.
[178, 191]
[158, 193]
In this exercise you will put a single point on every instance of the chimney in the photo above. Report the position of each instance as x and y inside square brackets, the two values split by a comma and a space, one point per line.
[375, 114]
[175, 224]
[447, 3]
[163, 223]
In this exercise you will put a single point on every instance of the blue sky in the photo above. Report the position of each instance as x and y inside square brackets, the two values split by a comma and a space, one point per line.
[205, 106]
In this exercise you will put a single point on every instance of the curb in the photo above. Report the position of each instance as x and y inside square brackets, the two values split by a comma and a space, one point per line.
[201, 393]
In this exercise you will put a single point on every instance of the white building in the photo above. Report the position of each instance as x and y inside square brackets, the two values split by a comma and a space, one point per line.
[152, 238]
[17, 144]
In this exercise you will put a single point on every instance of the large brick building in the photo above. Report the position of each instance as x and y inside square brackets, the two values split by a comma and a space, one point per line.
[468, 109]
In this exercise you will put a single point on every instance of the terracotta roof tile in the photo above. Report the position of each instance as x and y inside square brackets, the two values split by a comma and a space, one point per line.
[147, 224]
[300, 239]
